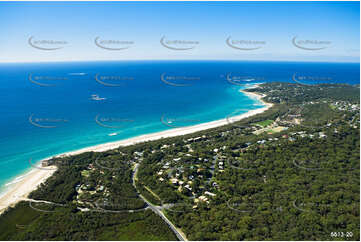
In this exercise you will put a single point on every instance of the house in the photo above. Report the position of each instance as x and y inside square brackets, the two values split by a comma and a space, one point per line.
[138, 153]
[203, 198]
[322, 135]
[210, 194]
[174, 180]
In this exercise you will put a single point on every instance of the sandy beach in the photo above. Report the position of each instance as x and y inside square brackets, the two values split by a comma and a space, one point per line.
[21, 189]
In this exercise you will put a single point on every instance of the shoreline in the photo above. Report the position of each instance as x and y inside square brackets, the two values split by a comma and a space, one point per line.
[33, 178]
[21, 189]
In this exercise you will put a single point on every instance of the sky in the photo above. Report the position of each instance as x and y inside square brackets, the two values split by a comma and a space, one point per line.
[267, 31]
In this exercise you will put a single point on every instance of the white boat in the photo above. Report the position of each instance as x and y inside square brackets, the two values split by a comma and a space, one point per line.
[77, 74]
[96, 97]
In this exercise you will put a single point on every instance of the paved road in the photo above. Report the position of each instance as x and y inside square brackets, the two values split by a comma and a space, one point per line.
[157, 210]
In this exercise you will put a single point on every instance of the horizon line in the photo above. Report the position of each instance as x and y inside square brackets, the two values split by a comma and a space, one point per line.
[134, 60]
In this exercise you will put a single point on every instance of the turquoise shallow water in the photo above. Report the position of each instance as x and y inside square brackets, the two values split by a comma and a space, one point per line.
[49, 109]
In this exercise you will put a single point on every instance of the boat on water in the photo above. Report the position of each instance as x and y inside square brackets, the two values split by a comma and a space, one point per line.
[96, 97]
[77, 74]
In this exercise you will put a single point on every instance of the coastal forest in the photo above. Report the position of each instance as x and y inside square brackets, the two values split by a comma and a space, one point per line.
[289, 173]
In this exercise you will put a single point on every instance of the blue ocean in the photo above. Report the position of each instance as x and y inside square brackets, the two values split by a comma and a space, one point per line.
[52, 108]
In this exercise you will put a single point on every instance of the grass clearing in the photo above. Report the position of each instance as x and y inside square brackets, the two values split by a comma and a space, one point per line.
[264, 123]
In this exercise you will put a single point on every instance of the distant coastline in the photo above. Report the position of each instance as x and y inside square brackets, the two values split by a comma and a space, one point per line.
[19, 190]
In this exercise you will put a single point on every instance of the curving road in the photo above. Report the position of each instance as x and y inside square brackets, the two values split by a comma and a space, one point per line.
[155, 209]
[81, 209]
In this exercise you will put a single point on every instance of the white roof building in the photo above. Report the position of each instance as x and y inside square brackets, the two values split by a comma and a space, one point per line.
[210, 194]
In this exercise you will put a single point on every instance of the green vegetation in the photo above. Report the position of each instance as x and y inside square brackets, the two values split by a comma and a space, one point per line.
[298, 183]
[296, 179]
[25, 223]
[264, 123]
[94, 200]
[149, 196]
[85, 173]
